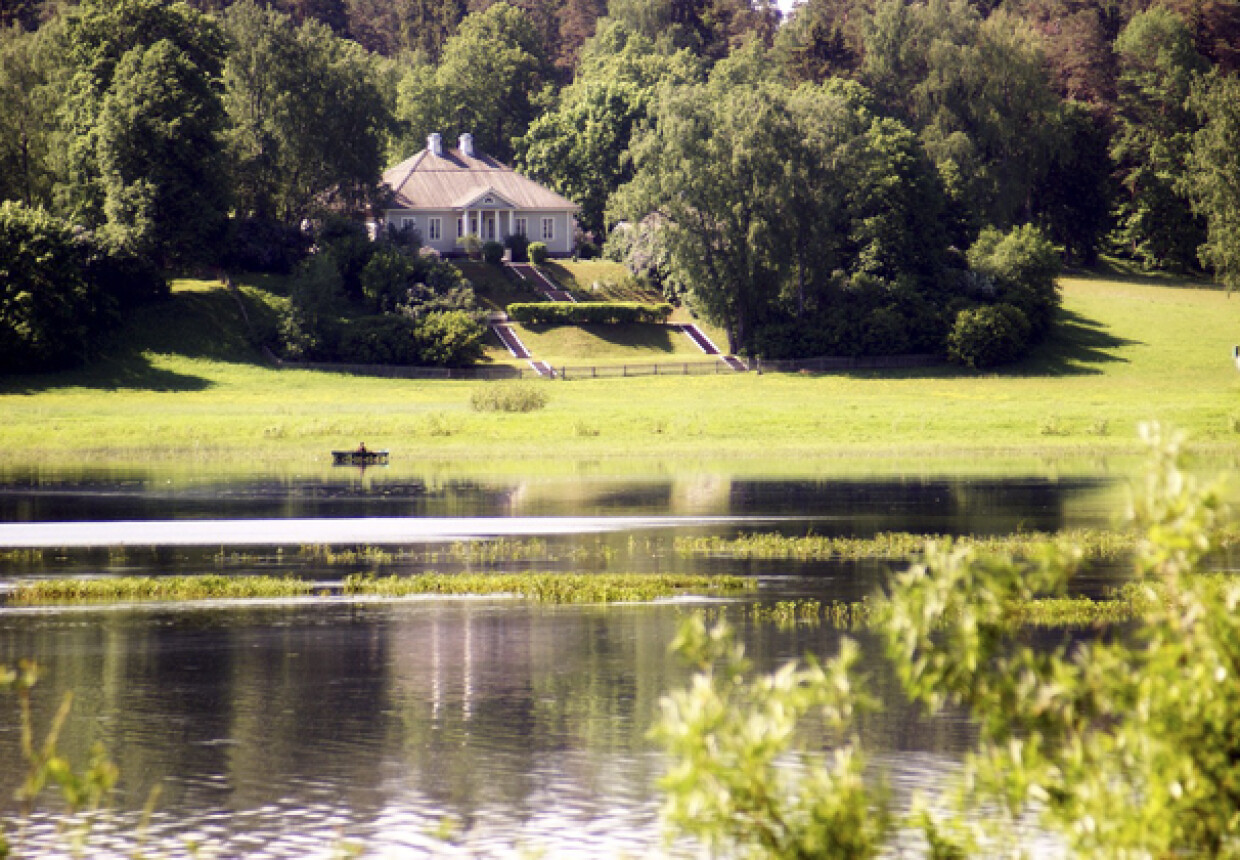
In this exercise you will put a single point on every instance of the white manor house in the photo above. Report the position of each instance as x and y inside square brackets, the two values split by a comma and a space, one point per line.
[445, 194]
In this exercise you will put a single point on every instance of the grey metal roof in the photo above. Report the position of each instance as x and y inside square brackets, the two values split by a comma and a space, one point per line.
[452, 180]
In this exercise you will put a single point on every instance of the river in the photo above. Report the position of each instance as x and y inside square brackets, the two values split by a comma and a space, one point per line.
[463, 727]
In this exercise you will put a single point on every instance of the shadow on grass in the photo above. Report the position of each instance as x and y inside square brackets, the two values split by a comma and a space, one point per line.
[199, 325]
[133, 372]
[1077, 346]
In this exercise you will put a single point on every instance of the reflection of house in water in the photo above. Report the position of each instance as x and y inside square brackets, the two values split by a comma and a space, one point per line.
[704, 494]
[529, 668]
[493, 700]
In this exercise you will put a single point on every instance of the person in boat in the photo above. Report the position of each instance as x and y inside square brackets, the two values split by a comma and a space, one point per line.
[361, 449]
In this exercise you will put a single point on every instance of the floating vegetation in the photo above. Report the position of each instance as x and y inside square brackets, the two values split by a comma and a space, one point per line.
[551, 587]
[326, 554]
[497, 551]
[1095, 543]
[1119, 605]
[858, 615]
[156, 588]
[21, 556]
[543, 587]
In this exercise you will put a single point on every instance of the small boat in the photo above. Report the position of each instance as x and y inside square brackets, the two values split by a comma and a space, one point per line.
[359, 458]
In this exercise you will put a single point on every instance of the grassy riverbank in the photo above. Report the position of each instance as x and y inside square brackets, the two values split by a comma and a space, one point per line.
[182, 384]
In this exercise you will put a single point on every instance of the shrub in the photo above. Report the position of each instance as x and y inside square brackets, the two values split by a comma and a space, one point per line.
[509, 397]
[350, 248]
[48, 307]
[519, 244]
[386, 339]
[987, 336]
[537, 252]
[318, 289]
[439, 339]
[588, 313]
[300, 337]
[386, 278]
[262, 245]
[493, 253]
[587, 251]
[470, 244]
[122, 276]
[449, 339]
[1024, 265]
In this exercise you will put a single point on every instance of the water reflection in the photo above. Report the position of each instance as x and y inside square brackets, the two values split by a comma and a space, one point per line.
[283, 731]
[965, 505]
[487, 711]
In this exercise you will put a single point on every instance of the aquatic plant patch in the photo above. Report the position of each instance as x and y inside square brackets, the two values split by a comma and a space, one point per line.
[157, 588]
[1119, 605]
[1094, 544]
[542, 587]
[552, 587]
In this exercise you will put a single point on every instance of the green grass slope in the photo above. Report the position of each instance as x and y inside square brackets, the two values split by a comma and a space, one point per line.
[183, 382]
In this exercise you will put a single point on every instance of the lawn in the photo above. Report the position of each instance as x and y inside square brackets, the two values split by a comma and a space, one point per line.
[586, 345]
[183, 384]
[495, 287]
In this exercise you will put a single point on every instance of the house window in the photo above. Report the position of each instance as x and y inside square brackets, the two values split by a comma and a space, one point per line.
[548, 231]
[490, 222]
[520, 229]
[435, 229]
[460, 227]
[409, 224]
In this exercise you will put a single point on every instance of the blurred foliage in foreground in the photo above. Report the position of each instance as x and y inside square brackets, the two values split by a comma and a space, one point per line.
[45, 765]
[1124, 746]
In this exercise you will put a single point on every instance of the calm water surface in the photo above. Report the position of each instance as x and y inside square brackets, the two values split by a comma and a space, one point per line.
[289, 729]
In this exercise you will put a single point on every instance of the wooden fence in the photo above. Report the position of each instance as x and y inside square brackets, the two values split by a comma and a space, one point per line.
[825, 364]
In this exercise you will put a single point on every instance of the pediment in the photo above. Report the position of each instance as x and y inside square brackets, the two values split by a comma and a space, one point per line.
[485, 198]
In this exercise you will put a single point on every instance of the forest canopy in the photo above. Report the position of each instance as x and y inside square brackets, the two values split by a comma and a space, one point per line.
[816, 184]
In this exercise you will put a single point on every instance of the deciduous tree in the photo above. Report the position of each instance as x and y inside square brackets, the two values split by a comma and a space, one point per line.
[1152, 140]
[580, 147]
[1214, 176]
[489, 83]
[142, 122]
[47, 306]
[27, 117]
[307, 117]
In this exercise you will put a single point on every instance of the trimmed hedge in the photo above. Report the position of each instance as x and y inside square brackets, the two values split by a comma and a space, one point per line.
[586, 313]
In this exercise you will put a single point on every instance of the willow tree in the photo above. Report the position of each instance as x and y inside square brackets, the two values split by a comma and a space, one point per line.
[715, 170]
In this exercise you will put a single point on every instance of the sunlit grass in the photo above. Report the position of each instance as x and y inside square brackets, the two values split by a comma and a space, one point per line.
[178, 387]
